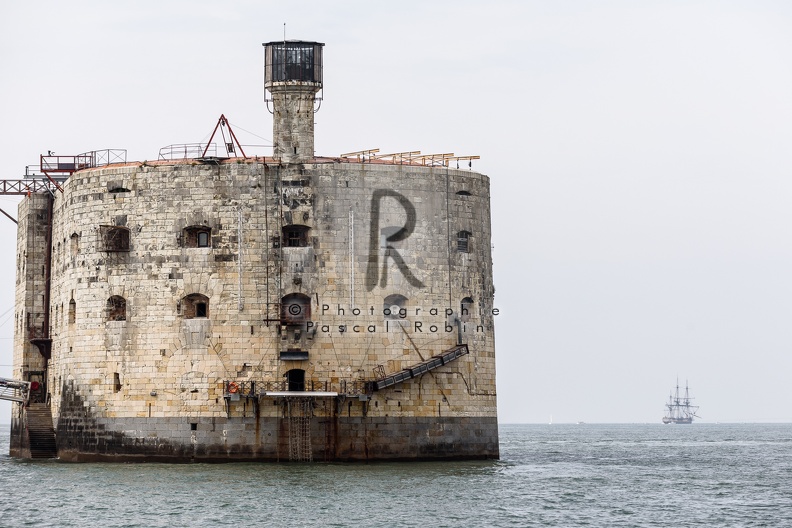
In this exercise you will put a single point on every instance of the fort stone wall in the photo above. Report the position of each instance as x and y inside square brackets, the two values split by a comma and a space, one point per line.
[189, 299]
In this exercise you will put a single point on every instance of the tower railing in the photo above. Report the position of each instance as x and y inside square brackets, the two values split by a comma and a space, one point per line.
[187, 151]
[87, 160]
[14, 390]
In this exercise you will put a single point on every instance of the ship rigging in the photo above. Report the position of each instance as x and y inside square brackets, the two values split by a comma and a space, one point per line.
[679, 409]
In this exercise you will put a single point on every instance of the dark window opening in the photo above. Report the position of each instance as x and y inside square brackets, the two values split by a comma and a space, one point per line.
[193, 426]
[197, 236]
[72, 311]
[463, 193]
[295, 235]
[466, 309]
[194, 305]
[116, 382]
[463, 239]
[115, 238]
[295, 309]
[119, 190]
[395, 306]
[116, 308]
[295, 380]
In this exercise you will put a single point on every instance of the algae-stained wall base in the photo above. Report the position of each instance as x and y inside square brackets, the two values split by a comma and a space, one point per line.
[332, 438]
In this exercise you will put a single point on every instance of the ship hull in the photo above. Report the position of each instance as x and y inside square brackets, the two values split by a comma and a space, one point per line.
[667, 420]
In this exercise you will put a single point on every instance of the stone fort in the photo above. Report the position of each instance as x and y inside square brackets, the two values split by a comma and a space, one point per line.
[214, 306]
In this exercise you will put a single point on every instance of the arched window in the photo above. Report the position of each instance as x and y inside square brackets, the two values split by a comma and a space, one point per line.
[116, 308]
[463, 239]
[295, 309]
[114, 238]
[295, 380]
[72, 311]
[395, 306]
[74, 245]
[197, 237]
[295, 235]
[194, 306]
[466, 309]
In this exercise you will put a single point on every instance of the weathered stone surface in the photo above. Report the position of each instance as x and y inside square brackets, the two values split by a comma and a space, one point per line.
[132, 386]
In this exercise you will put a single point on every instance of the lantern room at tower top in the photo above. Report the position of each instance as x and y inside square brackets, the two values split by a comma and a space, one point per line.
[293, 61]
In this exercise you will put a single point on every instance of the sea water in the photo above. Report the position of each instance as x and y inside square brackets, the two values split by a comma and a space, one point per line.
[548, 475]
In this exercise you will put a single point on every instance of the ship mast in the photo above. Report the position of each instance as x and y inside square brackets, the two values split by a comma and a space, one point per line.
[690, 410]
[680, 409]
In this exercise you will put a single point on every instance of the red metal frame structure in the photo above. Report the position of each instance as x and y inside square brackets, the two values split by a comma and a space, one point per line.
[51, 164]
[70, 164]
[223, 122]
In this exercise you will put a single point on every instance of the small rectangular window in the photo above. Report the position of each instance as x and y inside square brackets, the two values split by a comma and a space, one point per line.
[200, 309]
[463, 238]
[295, 236]
[203, 239]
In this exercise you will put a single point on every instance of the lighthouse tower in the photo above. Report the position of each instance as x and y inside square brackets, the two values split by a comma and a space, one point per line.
[293, 78]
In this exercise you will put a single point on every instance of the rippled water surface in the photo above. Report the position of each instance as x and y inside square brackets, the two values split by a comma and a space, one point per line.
[548, 475]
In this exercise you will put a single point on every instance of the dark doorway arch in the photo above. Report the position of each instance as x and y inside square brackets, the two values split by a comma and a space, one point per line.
[466, 309]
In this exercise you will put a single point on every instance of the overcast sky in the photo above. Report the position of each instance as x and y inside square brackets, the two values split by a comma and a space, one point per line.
[638, 155]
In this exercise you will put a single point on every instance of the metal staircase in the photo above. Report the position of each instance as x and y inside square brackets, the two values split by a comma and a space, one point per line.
[41, 433]
[419, 369]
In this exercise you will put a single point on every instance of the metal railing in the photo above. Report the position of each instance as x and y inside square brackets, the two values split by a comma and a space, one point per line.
[100, 158]
[14, 390]
[419, 369]
[25, 187]
[239, 388]
[86, 160]
[257, 388]
[187, 151]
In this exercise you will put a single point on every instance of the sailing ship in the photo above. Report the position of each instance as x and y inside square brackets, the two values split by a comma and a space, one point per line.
[678, 409]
